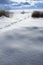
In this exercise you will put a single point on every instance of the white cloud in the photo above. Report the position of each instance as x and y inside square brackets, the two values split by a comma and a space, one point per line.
[32, 2]
[22, 0]
[18, 0]
[25, 0]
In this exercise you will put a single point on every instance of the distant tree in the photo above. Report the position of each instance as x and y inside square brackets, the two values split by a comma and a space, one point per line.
[36, 14]
[6, 13]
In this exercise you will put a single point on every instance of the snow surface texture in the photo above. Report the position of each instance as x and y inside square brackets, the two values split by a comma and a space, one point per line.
[21, 43]
[19, 20]
[22, 46]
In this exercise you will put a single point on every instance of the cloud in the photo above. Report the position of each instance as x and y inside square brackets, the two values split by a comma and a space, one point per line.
[18, 0]
[9, 4]
[32, 2]
[27, 0]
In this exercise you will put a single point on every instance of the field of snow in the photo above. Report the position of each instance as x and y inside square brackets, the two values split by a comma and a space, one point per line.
[19, 20]
[21, 39]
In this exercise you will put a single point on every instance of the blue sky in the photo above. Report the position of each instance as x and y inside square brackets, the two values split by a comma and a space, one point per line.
[19, 4]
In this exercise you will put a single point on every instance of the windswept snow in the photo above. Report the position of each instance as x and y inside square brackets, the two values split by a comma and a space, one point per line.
[19, 20]
[21, 40]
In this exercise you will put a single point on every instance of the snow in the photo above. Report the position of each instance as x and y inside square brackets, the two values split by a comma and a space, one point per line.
[19, 20]
[21, 40]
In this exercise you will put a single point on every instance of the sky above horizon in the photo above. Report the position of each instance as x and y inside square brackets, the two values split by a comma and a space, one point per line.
[8, 1]
[26, 0]
[8, 4]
